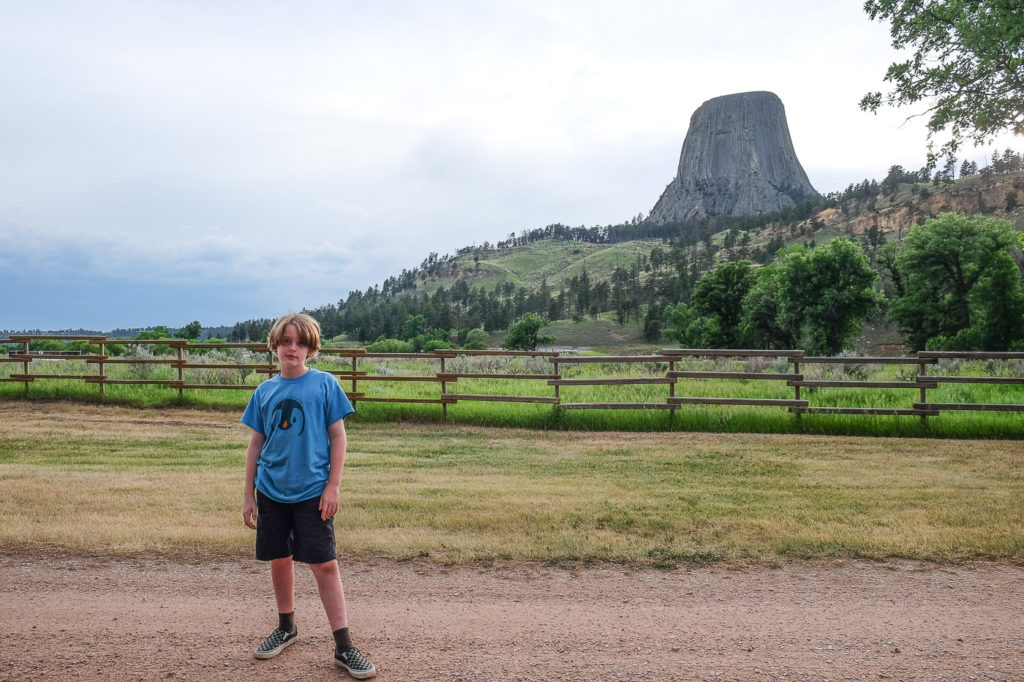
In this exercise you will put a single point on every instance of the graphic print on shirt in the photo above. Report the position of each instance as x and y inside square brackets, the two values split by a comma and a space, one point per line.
[288, 414]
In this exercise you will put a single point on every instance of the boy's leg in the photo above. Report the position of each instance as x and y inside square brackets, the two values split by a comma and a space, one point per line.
[332, 593]
[314, 545]
[282, 574]
[273, 544]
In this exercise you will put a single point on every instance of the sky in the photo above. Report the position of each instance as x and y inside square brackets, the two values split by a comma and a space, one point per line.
[163, 162]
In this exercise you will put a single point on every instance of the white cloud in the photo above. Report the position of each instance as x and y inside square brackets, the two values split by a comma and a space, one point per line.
[303, 150]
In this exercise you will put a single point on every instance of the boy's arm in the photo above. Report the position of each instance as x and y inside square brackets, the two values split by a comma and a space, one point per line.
[252, 454]
[331, 497]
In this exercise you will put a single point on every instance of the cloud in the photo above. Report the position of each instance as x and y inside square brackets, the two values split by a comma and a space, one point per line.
[268, 155]
[108, 274]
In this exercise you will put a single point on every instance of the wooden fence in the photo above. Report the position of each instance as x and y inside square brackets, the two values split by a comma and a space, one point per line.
[668, 368]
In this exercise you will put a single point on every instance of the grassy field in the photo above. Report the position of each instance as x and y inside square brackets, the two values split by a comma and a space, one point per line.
[124, 481]
[556, 261]
[602, 335]
[704, 418]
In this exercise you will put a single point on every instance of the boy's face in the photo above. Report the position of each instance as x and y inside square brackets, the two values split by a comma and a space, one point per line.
[291, 352]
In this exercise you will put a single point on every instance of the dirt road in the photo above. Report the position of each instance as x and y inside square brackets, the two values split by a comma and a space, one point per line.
[75, 618]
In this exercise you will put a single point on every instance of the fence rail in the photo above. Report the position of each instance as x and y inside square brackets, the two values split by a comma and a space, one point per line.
[788, 369]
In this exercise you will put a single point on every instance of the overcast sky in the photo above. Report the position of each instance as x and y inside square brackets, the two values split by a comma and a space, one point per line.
[162, 162]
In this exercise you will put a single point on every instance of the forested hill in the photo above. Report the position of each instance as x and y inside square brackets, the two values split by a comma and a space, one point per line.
[633, 270]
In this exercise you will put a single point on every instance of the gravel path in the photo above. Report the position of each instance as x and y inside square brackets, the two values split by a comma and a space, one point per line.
[74, 618]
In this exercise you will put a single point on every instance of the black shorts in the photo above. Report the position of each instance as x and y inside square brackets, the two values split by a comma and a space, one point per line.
[294, 530]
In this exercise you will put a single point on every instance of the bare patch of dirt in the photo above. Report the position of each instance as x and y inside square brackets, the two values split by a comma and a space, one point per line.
[74, 618]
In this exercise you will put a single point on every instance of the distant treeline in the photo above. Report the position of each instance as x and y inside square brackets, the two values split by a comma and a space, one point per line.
[5, 333]
[665, 275]
[1008, 161]
[121, 332]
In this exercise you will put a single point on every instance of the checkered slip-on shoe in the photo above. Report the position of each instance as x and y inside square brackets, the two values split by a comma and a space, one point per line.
[355, 663]
[276, 643]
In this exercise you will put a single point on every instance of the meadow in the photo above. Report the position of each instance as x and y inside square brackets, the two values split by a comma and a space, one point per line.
[115, 480]
[389, 378]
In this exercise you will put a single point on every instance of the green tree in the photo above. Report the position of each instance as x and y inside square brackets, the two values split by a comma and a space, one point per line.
[160, 332]
[525, 334]
[679, 318]
[435, 344]
[966, 62]
[190, 331]
[961, 288]
[718, 297]
[874, 238]
[653, 323]
[825, 294]
[79, 345]
[691, 329]
[476, 339]
[761, 324]
[887, 257]
[383, 345]
[413, 326]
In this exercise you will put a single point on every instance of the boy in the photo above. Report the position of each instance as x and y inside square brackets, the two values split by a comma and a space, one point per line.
[292, 479]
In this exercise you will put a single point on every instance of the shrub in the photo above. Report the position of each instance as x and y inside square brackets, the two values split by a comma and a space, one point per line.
[434, 344]
[382, 345]
[476, 339]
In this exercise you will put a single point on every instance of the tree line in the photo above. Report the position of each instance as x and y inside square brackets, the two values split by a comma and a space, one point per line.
[952, 283]
[676, 289]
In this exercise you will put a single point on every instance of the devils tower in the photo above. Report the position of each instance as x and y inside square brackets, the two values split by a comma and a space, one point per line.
[737, 159]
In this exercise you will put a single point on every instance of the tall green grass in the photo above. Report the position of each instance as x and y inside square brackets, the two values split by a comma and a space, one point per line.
[719, 419]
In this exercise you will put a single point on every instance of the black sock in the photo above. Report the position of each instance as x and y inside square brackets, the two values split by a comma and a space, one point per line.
[286, 621]
[341, 639]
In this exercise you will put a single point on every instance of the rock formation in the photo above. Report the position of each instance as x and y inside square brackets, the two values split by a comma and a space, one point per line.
[737, 159]
[977, 195]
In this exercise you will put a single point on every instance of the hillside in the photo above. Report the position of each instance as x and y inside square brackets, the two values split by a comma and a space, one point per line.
[896, 213]
[530, 265]
[558, 261]
[893, 214]
[625, 275]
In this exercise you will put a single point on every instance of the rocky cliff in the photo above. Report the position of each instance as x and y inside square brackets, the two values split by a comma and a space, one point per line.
[737, 159]
[994, 196]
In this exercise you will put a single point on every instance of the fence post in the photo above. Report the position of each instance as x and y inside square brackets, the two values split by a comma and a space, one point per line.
[796, 389]
[181, 374]
[671, 393]
[558, 373]
[444, 389]
[102, 378]
[27, 362]
[922, 371]
[355, 368]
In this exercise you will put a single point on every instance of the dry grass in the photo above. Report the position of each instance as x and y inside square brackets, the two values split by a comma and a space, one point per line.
[125, 481]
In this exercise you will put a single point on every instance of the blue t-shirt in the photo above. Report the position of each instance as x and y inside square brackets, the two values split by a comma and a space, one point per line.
[293, 416]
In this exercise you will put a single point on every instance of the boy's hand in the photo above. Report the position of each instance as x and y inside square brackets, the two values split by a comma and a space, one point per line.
[249, 512]
[329, 501]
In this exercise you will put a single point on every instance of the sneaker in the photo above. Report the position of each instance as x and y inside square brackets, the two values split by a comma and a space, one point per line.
[276, 643]
[355, 663]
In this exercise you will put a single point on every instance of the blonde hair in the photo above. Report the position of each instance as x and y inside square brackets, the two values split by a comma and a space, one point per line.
[306, 327]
